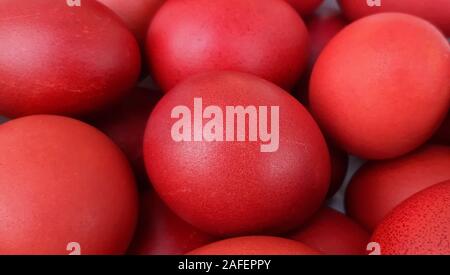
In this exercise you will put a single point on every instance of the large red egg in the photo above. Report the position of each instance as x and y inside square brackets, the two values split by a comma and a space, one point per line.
[380, 186]
[265, 38]
[333, 233]
[222, 174]
[137, 14]
[58, 59]
[305, 7]
[125, 124]
[255, 245]
[161, 232]
[418, 226]
[436, 11]
[371, 82]
[63, 184]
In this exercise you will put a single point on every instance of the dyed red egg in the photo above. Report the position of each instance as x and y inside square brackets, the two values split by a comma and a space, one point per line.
[161, 232]
[57, 59]
[436, 11]
[63, 184]
[233, 154]
[255, 245]
[380, 186]
[333, 233]
[418, 226]
[265, 38]
[371, 81]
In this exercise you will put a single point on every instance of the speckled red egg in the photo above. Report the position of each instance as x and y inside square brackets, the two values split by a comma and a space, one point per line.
[371, 82]
[213, 168]
[380, 186]
[57, 59]
[333, 233]
[255, 245]
[265, 38]
[418, 226]
[161, 232]
[436, 11]
[305, 7]
[61, 182]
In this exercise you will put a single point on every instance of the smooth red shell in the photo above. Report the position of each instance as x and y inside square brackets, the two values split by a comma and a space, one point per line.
[161, 232]
[380, 186]
[125, 124]
[305, 7]
[63, 181]
[371, 81]
[333, 233]
[418, 226]
[435, 11]
[255, 245]
[137, 14]
[57, 59]
[231, 188]
[265, 38]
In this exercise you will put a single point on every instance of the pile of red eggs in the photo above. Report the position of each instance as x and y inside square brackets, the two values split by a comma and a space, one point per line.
[220, 156]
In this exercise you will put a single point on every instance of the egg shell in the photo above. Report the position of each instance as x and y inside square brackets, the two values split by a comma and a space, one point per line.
[436, 11]
[255, 245]
[56, 59]
[380, 186]
[418, 226]
[333, 233]
[63, 181]
[371, 84]
[231, 187]
[265, 38]
[161, 232]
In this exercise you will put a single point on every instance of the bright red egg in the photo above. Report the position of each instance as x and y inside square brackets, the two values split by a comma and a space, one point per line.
[253, 161]
[418, 226]
[57, 59]
[371, 82]
[265, 38]
[63, 184]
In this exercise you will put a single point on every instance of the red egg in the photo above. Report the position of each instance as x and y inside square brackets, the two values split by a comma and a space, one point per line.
[305, 7]
[125, 124]
[63, 184]
[161, 232]
[222, 174]
[57, 59]
[137, 14]
[333, 233]
[255, 245]
[418, 226]
[436, 11]
[265, 38]
[380, 186]
[442, 136]
[371, 82]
